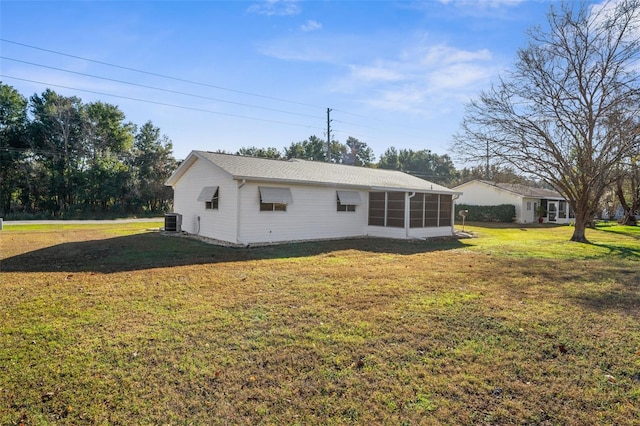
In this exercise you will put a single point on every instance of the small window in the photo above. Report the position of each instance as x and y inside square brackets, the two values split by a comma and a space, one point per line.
[209, 195]
[528, 205]
[273, 207]
[346, 207]
[274, 199]
[347, 201]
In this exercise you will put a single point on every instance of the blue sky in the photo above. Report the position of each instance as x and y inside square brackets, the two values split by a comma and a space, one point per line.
[263, 73]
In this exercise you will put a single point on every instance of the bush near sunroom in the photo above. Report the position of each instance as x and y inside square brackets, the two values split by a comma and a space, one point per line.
[503, 213]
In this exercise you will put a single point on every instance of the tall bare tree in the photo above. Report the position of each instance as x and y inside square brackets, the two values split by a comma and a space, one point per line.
[556, 115]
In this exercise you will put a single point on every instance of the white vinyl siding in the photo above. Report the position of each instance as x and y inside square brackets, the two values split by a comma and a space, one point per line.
[312, 215]
[218, 224]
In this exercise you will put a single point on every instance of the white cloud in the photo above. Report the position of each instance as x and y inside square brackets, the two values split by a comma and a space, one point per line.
[375, 73]
[423, 78]
[442, 54]
[275, 8]
[406, 99]
[311, 25]
[409, 74]
[458, 77]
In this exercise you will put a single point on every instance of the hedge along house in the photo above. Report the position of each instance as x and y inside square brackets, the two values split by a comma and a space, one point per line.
[249, 200]
[526, 199]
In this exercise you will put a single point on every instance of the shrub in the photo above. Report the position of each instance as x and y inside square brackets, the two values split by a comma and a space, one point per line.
[503, 213]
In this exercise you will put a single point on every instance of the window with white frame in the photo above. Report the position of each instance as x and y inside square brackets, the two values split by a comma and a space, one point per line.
[347, 201]
[210, 196]
[274, 198]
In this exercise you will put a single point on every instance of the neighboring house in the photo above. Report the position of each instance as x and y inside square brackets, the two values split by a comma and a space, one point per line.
[249, 200]
[526, 199]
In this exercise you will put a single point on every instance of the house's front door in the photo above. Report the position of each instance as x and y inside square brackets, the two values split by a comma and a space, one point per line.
[552, 211]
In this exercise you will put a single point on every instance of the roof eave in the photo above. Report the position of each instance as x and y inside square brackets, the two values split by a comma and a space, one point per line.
[297, 182]
[342, 185]
[408, 189]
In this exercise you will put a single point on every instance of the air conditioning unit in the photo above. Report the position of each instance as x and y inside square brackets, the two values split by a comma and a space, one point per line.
[173, 222]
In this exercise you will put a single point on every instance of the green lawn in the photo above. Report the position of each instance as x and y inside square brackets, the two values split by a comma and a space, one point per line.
[552, 242]
[118, 324]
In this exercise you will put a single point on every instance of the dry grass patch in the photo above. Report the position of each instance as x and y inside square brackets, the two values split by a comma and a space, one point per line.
[119, 326]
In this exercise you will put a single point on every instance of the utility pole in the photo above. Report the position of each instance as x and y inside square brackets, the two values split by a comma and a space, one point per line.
[328, 134]
[488, 170]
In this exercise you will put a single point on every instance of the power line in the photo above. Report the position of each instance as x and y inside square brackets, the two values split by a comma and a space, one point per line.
[156, 102]
[155, 88]
[157, 74]
[184, 80]
[186, 94]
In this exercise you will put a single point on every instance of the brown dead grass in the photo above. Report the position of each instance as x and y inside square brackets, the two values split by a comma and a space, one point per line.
[100, 325]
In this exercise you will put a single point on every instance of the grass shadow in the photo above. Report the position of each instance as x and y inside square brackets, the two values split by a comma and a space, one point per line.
[155, 250]
[626, 301]
[614, 228]
[621, 251]
[595, 285]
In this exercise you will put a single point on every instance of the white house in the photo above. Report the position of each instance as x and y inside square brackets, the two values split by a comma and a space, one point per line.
[249, 200]
[526, 199]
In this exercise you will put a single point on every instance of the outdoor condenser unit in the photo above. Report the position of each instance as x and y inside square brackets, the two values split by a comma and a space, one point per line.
[173, 222]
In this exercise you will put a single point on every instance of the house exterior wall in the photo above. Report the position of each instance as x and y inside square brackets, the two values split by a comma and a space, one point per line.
[440, 231]
[528, 209]
[478, 194]
[312, 215]
[218, 223]
[391, 232]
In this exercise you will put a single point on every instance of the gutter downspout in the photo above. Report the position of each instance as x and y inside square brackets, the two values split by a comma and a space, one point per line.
[454, 197]
[407, 209]
[240, 185]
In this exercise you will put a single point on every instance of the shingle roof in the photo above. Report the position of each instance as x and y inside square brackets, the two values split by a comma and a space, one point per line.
[524, 190]
[309, 172]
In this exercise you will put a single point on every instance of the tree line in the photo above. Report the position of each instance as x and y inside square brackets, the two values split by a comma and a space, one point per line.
[64, 158]
[423, 163]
